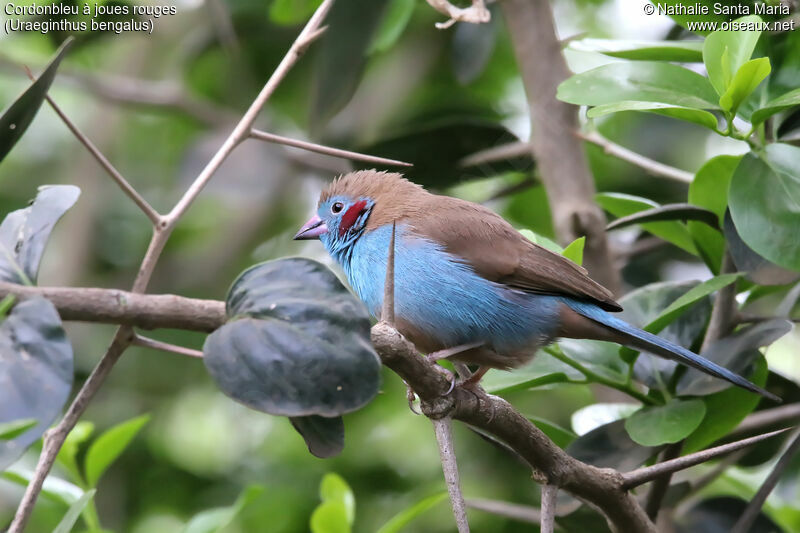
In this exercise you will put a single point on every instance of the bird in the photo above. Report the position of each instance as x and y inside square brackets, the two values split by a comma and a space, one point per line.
[467, 285]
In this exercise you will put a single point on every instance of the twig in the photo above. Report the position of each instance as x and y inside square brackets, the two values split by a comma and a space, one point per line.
[757, 502]
[475, 14]
[146, 342]
[514, 511]
[649, 165]
[162, 229]
[444, 437]
[494, 154]
[661, 484]
[387, 313]
[549, 493]
[643, 475]
[126, 187]
[312, 147]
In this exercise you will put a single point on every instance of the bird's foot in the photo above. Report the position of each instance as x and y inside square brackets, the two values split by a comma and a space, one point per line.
[411, 396]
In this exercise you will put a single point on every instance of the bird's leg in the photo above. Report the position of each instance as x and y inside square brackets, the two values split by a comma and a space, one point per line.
[450, 352]
[475, 378]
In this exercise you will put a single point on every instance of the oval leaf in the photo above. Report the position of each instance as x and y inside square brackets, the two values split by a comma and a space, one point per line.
[16, 119]
[24, 233]
[35, 371]
[697, 116]
[765, 203]
[109, 446]
[298, 343]
[665, 424]
[749, 76]
[724, 52]
[758, 269]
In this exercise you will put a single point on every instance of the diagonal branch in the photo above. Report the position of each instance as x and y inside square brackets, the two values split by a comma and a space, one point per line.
[648, 473]
[322, 149]
[146, 342]
[443, 428]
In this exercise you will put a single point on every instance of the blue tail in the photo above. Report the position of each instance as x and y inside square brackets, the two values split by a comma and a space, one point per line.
[643, 340]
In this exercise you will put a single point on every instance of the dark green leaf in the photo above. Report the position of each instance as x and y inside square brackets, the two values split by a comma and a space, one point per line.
[609, 446]
[297, 343]
[324, 436]
[24, 233]
[472, 48]
[394, 22]
[599, 356]
[406, 516]
[454, 139]
[35, 371]
[343, 55]
[109, 446]
[784, 101]
[574, 250]
[724, 52]
[765, 203]
[688, 114]
[682, 51]
[74, 511]
[683, 212]
[621, 205]
[709, 190]
[664, 424]
[759, 269]
[726, 409]
[215, 520]
[292, 12]
[13, 429]
[747, 78]
[16, 119]
[736, 352]
[644, 81]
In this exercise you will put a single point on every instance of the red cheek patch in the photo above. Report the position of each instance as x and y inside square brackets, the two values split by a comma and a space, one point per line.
[350, 216]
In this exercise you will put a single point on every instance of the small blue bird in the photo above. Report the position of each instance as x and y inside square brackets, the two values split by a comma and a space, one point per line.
[467, 284]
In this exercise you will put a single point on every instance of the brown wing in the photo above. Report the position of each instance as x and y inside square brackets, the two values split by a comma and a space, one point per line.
[499, 253]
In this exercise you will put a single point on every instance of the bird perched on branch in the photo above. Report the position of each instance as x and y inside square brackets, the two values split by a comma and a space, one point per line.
[468, 285]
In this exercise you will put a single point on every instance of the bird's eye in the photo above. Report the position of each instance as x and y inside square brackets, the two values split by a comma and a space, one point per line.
[337, 207]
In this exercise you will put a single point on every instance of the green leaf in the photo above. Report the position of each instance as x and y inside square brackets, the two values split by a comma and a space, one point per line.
[747, 78]
[725, 410]
[109, 446]
[664, 424]
[682, 212]
[24, 232]
[35, 372]
[681, 51]
[724, 52]
[394, 22]
[784, 101]
[67, 455]
[330, 517]
[643, 81]
[709, 190]
[505, 382]
[297, 342]
[765, 203]
[11, 430]
[541, 241]
[74, 511]
[15, 120]
[562, 437]
[334, 488]
[687, 114]
[214, 520]
[574, 250]
[621, 205]
[406, 516]
[694, 294]
[292, 12]
[54, 489]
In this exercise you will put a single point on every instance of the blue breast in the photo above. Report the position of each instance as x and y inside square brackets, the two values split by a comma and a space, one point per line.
[444, 298]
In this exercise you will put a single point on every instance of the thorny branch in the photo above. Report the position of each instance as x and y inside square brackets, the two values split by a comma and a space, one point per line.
[163, 225]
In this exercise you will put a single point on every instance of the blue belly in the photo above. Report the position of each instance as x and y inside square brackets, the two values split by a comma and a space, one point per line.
[445, 299]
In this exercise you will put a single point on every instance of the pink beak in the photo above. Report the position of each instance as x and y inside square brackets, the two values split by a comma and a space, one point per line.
[311, 229]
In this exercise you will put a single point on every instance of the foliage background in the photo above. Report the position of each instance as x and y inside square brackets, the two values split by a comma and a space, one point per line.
[425, 95]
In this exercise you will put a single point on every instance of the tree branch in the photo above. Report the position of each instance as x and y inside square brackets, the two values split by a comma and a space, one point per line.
[443, 429]
[645, 163]
[548, 521]
[475, 14]
[146, 342]
[514, 511]
[558, 153]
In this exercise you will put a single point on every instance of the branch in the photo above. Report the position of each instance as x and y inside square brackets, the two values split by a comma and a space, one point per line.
[757, 502]
[558, 153]
[659, 489]
[549, 494]
[443, 429]
[649, 473]
[475, 14]
[514, 511]
[146, 342]
[321, 149]
[767, 417]
[725, 306]
[645, 163]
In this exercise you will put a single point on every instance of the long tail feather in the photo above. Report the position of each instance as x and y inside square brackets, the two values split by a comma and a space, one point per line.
[643, 340]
